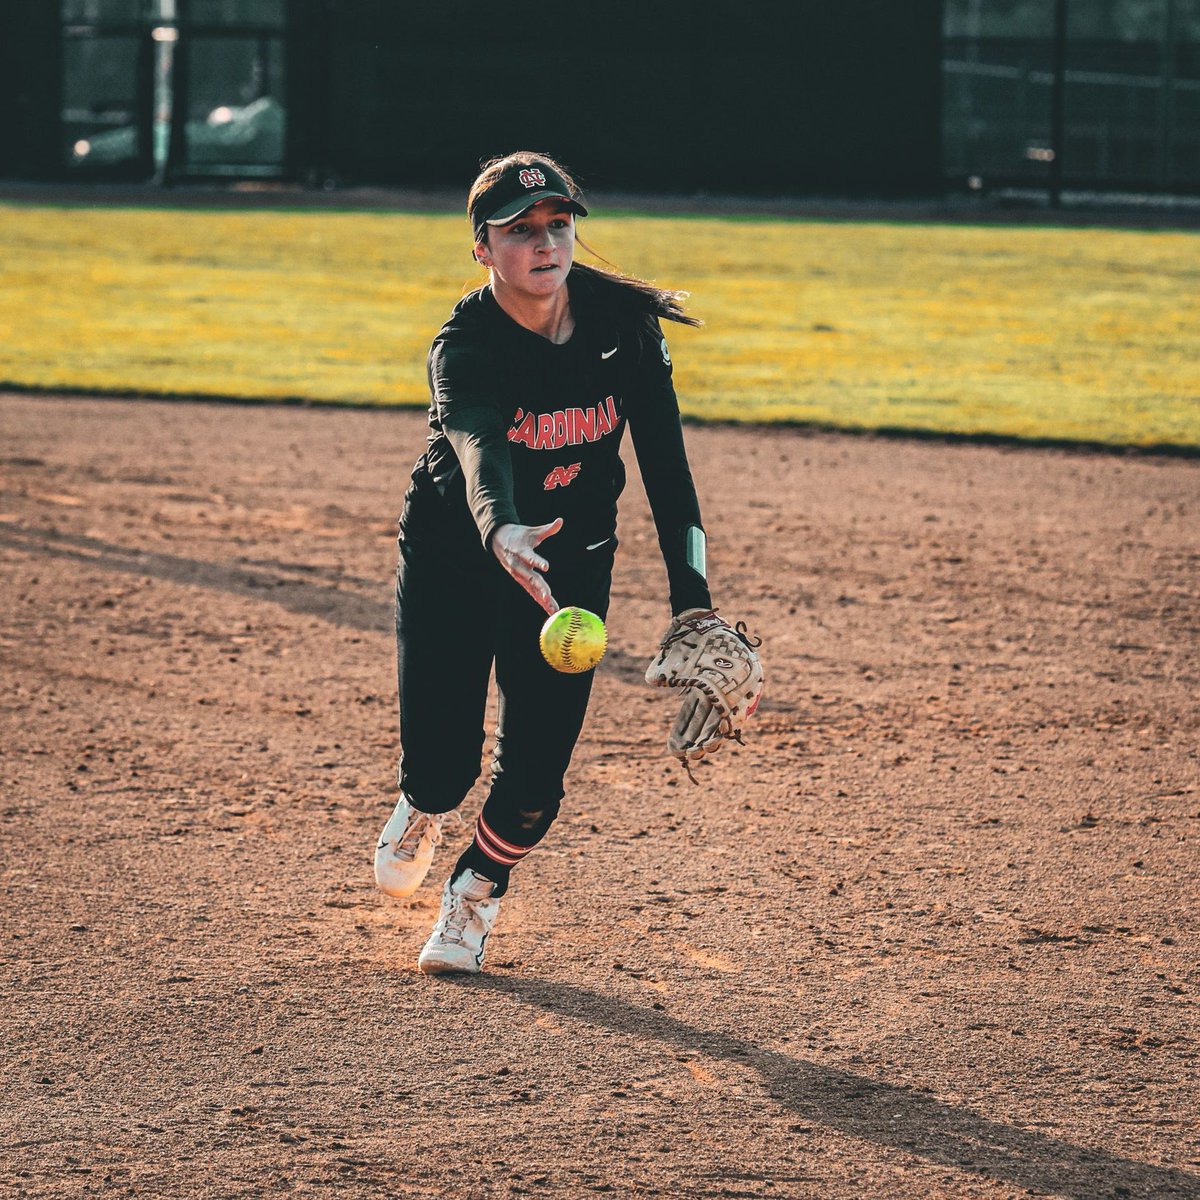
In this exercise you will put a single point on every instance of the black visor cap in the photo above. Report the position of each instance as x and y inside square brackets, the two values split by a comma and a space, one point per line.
[516, 191]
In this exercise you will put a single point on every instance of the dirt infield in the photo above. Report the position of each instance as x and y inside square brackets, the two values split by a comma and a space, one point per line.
[932, 933]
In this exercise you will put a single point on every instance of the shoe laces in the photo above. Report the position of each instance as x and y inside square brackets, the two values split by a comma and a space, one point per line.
[457, 918]
[418, 827]
[462, 909]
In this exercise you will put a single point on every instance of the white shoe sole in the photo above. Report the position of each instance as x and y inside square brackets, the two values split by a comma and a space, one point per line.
[439, 964]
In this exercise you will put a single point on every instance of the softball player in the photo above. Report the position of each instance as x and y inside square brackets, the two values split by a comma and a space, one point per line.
[511, 509]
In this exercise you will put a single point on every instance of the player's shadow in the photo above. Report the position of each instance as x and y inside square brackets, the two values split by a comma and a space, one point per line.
[868, 1109]
[297, 589]
[623, 665]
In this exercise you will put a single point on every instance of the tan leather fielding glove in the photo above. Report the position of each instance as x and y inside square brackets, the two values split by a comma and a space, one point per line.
[718, 667]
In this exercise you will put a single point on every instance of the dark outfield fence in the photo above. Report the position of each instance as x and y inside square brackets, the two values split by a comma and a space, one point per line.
[775, 96]
[31, 75]
[684, 95]
[1127, 73]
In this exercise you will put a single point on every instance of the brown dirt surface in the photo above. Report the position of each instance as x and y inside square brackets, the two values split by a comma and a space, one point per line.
[932, 933]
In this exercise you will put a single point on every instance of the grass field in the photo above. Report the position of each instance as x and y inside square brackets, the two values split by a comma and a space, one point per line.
[1081, 334]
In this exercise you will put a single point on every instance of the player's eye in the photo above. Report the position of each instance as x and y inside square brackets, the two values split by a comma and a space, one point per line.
[519, 228]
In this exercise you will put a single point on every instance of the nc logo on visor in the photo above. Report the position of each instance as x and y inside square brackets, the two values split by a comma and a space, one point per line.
[531, 177]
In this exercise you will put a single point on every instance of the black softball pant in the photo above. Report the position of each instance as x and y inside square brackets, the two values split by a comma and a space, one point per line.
[458, 614]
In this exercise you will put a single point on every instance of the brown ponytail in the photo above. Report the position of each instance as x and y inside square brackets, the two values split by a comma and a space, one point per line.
[653, 301]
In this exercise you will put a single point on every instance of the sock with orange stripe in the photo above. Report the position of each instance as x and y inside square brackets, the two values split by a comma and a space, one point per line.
[493, 854]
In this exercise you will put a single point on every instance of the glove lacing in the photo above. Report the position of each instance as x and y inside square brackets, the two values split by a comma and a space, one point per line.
[743, 632]
[740, 628]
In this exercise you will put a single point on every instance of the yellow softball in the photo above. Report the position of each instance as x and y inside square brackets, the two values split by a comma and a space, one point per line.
[573, 640]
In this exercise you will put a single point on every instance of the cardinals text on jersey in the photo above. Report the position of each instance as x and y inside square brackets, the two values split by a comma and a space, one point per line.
[565, 426]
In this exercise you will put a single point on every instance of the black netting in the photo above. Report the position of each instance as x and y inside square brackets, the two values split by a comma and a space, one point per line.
[791, 96]
[1131, 93]
[30, 77]
[271, 14]
[781, 96]
[233, 107]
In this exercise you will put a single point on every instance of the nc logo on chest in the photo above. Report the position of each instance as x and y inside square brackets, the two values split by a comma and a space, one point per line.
[565, 426]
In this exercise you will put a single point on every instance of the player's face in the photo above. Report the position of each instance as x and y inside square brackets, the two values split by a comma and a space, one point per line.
[533, 254]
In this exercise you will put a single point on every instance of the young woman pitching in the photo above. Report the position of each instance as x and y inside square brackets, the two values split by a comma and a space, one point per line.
[533, 380]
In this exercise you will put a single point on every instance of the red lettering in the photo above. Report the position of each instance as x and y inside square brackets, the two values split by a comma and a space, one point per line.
[561, 476]
[524, 432]
[603, 424]
[564, 427]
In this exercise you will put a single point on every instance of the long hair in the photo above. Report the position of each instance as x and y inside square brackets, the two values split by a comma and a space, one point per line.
[652, 300]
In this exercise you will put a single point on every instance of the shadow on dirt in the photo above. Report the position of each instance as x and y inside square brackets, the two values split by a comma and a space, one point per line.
[865, 1108]
[329, 601]
[623, 665]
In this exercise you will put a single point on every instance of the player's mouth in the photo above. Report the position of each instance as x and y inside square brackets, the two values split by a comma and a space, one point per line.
[547, 267]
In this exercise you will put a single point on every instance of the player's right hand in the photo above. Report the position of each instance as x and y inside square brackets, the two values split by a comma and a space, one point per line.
[516, 548]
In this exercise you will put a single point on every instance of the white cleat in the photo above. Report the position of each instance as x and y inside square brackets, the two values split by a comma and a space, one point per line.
[405, 849]
[460, 936]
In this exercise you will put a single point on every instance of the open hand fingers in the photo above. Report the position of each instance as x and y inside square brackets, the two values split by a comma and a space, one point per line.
[514, 546]
[539, 589]
[535, 584]
[526, 568]
[542, 532]
[514, 561]
[534, 562]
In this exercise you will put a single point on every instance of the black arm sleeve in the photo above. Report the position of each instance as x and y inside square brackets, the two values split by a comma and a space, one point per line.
[480, 441]
[462, 379]
[658, 440]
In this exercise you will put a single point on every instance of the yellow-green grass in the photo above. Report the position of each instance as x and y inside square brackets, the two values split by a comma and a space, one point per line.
[1079, 334]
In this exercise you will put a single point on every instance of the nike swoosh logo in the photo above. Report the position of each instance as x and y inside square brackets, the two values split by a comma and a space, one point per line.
[597, 545]
[609, 353]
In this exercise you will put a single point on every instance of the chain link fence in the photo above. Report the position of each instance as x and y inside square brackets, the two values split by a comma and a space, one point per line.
[798, 97]
[1130, 88]
[792, 96]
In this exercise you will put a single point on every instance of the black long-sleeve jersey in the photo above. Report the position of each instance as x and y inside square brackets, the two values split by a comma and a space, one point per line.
[523, 430]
